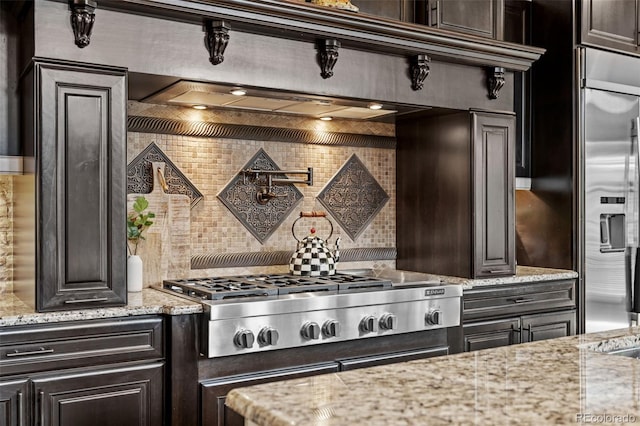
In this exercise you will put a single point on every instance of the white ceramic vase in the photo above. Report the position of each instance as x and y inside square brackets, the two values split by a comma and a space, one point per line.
[134, 273]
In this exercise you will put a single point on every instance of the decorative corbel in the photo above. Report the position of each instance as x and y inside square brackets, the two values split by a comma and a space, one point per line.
[328, 52]
[216, 40]
[419, 71]
[82, 18]
[495, 81]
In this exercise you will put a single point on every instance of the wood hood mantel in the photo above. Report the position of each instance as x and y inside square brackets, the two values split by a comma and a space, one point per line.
[302, 21]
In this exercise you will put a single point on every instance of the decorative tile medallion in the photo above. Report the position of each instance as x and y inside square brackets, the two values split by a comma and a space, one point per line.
[240, 197]
[140, 175]
[353, 197]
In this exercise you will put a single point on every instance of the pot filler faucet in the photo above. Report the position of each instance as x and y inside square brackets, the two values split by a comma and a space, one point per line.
[266, 192]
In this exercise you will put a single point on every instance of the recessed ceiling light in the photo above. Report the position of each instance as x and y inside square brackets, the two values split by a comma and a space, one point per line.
[199, 107]
[326, 118]
[238, 92]
[375, 106]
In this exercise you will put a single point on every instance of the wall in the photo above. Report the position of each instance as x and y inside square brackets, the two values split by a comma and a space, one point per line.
[211, 163]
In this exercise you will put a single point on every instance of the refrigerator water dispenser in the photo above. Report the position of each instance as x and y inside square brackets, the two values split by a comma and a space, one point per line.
[612, 232]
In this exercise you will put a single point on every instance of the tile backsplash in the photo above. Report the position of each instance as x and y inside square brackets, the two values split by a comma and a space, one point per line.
[6, 234]
[210, 163]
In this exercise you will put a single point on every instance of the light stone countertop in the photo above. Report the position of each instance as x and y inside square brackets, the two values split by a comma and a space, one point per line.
[14, 311]
[554, 382]
[524, 274]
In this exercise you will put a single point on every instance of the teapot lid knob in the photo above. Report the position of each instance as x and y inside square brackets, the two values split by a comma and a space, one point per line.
[313, 231]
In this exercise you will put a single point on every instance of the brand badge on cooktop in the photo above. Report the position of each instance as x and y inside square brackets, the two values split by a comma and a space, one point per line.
[434, 291]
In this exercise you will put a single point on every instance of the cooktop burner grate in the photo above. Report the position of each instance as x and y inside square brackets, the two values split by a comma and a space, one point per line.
[216, 288]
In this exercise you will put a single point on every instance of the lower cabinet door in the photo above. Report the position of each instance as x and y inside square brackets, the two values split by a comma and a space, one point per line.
[130, 396]
[491, 334]
[548, 326]
[214, 391]
[14, 403]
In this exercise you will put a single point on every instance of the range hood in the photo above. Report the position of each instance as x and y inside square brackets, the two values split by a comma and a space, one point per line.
[211, 95]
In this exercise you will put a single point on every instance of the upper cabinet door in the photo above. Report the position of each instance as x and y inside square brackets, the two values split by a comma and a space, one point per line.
[81, 166]
[613, 24]
[478, 17]
[494, 214]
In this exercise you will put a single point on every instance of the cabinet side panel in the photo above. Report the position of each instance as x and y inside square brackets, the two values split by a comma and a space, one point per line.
[433, 184]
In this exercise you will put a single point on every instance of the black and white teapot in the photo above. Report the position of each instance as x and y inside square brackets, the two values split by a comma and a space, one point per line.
[312, 257]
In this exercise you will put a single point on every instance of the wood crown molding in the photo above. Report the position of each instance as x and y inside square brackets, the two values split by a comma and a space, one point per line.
[304, 21]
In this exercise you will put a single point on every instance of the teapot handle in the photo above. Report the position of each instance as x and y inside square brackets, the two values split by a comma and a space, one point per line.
[311, 214]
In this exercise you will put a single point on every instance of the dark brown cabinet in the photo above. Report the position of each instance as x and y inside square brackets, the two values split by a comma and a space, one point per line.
[401, 10]
[508, 314]
[482, 18]
[130, 395]
[101, 372]
[548, 326]
[491, 334]
[13, 397]
[455, 181]
[612, 24]
[80, 153]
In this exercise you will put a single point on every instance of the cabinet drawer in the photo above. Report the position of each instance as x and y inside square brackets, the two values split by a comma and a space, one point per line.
[518, 299]
[27, 349]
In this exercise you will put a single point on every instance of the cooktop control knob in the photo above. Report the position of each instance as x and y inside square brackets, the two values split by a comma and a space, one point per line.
[388, 322]
[268, 336]
[244, 339]
[331, 328]
[434, 317]
[369, 324]
[310, 330]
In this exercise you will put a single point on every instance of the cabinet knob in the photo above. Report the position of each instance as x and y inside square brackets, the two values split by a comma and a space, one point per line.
[331, 328]
[388, 322]
[244, 339]
[268, 336]
[369, 324]
[310, 330]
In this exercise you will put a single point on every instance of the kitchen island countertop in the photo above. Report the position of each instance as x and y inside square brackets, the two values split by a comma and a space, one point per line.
[14, 311]
[558, 381]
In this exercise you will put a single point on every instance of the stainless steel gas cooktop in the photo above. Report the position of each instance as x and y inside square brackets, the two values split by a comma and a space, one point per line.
[252, 313]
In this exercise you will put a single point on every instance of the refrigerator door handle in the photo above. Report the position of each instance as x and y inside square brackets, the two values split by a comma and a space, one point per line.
[632, 255]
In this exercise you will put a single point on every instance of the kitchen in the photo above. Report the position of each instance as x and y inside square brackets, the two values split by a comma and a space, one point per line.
[431, 78]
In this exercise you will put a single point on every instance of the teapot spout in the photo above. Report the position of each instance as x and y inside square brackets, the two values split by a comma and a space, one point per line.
[336, 252]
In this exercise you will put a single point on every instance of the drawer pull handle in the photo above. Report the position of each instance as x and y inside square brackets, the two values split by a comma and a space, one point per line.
[98, 299]
[521, 299]
[38, 352]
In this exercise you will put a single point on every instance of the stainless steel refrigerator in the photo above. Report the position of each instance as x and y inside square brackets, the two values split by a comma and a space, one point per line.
[608, 128]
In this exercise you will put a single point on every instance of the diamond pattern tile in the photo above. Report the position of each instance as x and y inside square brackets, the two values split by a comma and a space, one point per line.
[353, 197]
[239, 196]
[140, 175]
